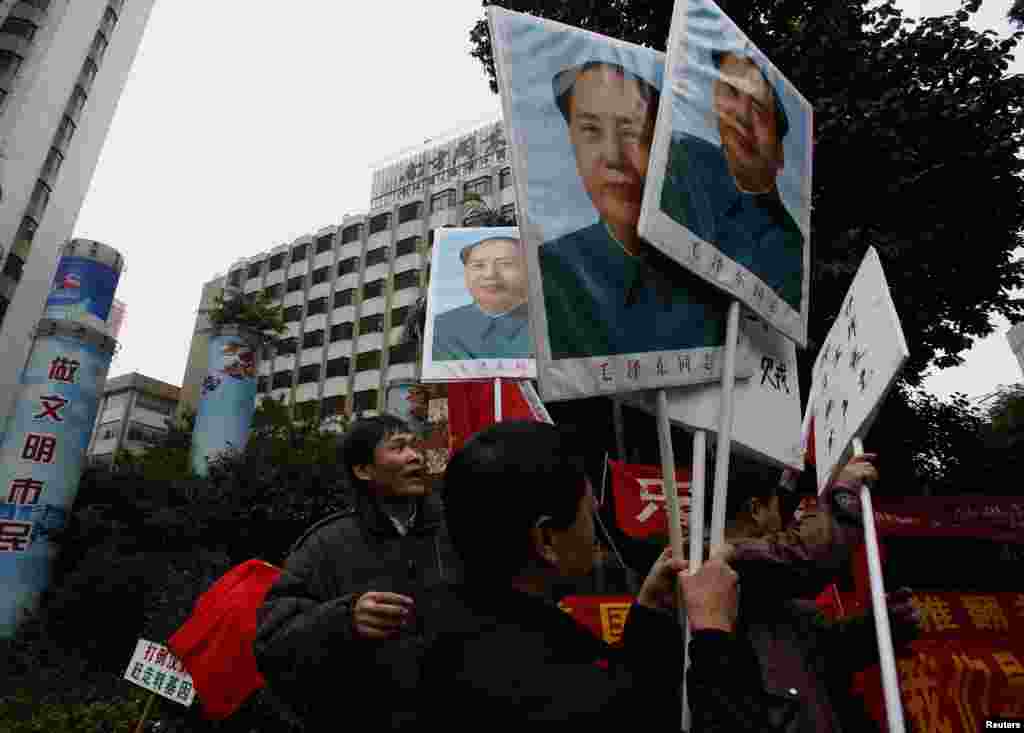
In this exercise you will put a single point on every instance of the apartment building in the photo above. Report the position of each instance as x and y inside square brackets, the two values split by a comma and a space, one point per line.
[132, 415]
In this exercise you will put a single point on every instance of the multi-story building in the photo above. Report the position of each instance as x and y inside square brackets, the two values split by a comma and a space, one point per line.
[1016, 338]
[346, 289]
[63, 65]
[132, 415]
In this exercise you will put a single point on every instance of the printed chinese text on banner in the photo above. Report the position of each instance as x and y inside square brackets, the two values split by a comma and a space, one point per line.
[766, 412]
[477, 317]
[730, 176]
[608, 312]
[154, 668]
[862, 356]
[639, 494]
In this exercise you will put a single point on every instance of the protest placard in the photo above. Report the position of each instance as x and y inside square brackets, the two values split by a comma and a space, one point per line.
[862, 356]
[477, 319]
[766, 413]
[729, 189]
[608, 313]
[154, 668]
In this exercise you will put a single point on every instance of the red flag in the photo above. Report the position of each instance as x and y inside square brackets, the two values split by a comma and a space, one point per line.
[471, 407]
[215, 643]
[640, 498]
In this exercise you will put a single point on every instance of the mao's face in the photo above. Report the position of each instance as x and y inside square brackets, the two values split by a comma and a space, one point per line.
[496, 275]
[747, 124]
[611, 125]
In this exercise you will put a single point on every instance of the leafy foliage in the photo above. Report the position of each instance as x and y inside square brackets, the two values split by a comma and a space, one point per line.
[256, 311]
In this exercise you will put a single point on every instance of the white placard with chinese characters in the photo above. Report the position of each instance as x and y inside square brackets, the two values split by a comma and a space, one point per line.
[766, 412]
[856, 367]
[154, 668]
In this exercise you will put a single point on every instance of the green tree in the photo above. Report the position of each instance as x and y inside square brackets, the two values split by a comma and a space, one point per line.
[917, 133]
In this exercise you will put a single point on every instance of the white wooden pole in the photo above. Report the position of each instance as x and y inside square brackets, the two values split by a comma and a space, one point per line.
[497, 399]
[700, 449]
[886, 657]
[725, 426]
[668, 472]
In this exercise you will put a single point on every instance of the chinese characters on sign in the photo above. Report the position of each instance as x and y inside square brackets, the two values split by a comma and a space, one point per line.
[154, 668]
[39, 448]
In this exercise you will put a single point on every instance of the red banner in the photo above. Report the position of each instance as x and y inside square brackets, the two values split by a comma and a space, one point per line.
[640, 498]
[603, 616]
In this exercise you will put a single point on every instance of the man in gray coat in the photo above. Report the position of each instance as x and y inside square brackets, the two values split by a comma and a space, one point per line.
[341, 628]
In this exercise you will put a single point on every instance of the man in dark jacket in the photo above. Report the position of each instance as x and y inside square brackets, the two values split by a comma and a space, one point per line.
[504, 652]
[342, 629]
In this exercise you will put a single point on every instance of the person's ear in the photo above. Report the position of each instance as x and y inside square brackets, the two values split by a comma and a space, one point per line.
[542, 542]
[755, 507]
[363, 473]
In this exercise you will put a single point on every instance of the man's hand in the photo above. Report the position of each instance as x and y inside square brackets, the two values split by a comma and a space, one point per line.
[859, 471]
[379, 615]
[711, 596]
[659, 588]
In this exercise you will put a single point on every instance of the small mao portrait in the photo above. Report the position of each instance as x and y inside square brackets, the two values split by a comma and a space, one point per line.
[729, 191]
[492, 272]
[607, 291]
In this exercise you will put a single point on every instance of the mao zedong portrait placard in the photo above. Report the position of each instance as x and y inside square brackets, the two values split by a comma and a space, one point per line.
[495, 324]
[728, 195]
[605, 290]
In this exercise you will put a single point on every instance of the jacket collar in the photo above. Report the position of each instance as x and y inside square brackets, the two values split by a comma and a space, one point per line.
[375, 520]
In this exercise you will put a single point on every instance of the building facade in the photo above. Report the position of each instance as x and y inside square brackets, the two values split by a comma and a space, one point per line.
[1016, 338]
[132, 415]
[346, 289]
[63, 66]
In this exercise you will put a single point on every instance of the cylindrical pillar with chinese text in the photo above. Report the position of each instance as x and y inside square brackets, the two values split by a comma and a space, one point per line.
[42, 454]
[227, 397]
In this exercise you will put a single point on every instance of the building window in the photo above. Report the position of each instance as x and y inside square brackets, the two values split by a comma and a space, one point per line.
[273, 292]
[409, 212]
[287, 346]
[365, 400]
[154, 404]
[88, 73]
[77, 101]
[40, 5]
[296, 283]
[334, 406]
[313, 339]
[398, 316]
[407, 279]
[316, 305]
[254, 270]
[4, 304]
[235, 278]
[320, 275]
[19, 27]
[376, 256]
[508, 213]
[13, 267]
[368, 360]
[344, 297]
[481, 186]
[282, 380]
[309, 373]
[380, 222]
[99, 47]
[402, 353]
[299, 253]
[108, 430]
[109, 21]
[26, 231]
[40, 198]
[406, 246]
[348, 265]
[341, 331]
[262, 383]
[337, 367]
[371, 324]
[505, 178]
[277, 261]
[323, 244]
[442, 201]
[351, 233]
[292, 313]
[374, 289]
[144, 433]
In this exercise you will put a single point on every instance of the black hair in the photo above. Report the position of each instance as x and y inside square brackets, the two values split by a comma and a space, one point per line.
[464, 254]
[647, 90]
[500, 484]
[362, 439]
[781, 118]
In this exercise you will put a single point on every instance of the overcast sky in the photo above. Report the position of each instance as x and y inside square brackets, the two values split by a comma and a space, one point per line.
[243, 126]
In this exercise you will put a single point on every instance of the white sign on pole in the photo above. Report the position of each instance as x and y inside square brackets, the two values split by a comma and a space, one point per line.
[154, 668]
[856, 367]
[766, 412]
